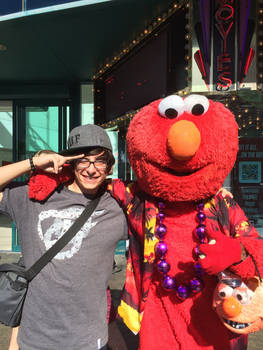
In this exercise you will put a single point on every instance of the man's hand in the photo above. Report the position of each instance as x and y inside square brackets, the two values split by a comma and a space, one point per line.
[13, 346]
[13, 340]
[53, 162]
[224, 192]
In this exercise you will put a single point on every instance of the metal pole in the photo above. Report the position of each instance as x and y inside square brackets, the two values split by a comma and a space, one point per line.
[23, 5]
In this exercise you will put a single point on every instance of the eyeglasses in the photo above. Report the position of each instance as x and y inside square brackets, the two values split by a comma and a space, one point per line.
[85, 163]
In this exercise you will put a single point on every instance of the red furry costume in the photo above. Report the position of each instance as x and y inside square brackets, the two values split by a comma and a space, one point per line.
[181, 151]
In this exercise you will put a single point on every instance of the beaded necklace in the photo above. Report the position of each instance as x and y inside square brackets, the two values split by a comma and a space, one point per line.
[195, 285]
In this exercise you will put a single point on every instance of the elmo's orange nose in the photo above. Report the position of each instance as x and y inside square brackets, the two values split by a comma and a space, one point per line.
[183, 140]
[231, 307]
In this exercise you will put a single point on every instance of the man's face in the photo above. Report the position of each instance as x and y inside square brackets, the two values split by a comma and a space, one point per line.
[90, 172]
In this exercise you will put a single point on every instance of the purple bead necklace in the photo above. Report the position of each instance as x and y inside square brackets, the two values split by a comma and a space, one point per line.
[195, 285]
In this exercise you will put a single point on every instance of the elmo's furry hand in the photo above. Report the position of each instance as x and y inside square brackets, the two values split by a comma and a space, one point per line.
[42, 184]
[219, 253]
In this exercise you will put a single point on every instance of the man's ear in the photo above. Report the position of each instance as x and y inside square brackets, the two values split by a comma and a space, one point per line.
[110, 172]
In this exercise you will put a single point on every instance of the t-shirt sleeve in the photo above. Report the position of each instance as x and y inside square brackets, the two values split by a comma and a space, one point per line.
[13, 201]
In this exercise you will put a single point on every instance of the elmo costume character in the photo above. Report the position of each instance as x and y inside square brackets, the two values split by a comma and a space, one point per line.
[182, 233]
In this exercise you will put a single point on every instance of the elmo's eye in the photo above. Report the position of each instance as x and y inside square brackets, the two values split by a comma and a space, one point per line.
[243, 296]
[225, 292]
[196, 104]
[171, 106]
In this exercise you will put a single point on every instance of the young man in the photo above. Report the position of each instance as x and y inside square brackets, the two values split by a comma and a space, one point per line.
[66, 303]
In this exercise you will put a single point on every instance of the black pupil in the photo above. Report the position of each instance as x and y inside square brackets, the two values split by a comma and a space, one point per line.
[239, 297]
[198, 109]
[171, 113]
[222, 294]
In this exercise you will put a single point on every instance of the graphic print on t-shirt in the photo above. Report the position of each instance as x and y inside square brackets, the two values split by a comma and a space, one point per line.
[52, 224]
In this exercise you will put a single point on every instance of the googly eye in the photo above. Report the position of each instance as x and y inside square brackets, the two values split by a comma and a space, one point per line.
[196, 104]
[225, 292]
[171, 106]
[243, 296]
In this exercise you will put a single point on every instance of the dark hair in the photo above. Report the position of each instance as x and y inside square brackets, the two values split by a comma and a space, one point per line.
[44, 151]
[107, 156]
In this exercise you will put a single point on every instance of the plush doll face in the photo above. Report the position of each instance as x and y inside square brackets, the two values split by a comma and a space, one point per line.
[182, 149]
[239, 304]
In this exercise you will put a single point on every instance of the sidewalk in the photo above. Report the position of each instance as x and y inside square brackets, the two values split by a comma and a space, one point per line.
[255, 340]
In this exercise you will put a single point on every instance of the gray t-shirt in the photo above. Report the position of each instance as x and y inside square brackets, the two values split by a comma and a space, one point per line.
[66, 305]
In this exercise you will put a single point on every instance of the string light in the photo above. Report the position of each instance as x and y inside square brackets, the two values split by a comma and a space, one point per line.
[125, 118]
[147, 31]
[259, 51]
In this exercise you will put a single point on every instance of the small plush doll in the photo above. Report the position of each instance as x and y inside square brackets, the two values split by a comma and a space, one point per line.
[239, 303]
[183, 231]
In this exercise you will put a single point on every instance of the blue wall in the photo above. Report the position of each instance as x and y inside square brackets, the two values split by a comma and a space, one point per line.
[12, 6]
[8, 6]
[35, 4]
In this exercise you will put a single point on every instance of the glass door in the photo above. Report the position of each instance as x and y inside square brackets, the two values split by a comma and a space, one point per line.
[6, 138]
[38, 125]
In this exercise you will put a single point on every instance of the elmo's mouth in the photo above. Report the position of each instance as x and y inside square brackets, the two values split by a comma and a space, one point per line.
[180, 174]
[237, 325]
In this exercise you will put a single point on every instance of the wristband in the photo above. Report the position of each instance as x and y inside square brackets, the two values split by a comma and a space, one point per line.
[32, 165]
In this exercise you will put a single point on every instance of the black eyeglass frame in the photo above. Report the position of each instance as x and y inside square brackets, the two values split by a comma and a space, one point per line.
[89, 162]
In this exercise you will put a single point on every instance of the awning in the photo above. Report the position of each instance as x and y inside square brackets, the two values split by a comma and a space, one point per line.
[68, 44]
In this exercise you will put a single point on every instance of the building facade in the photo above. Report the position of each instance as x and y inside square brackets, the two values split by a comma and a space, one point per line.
[65, 63]
[211, 47]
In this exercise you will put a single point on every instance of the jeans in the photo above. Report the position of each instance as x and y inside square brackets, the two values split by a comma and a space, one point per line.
[105, 347]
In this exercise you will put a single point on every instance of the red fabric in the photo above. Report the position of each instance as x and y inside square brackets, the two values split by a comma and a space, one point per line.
[219, 256]
[42, 184]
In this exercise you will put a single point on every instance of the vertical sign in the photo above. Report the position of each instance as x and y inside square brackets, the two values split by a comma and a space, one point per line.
[248, 183]
[224, 45]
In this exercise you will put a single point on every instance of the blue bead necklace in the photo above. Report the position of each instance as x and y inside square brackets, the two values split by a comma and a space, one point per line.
[195, 285]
